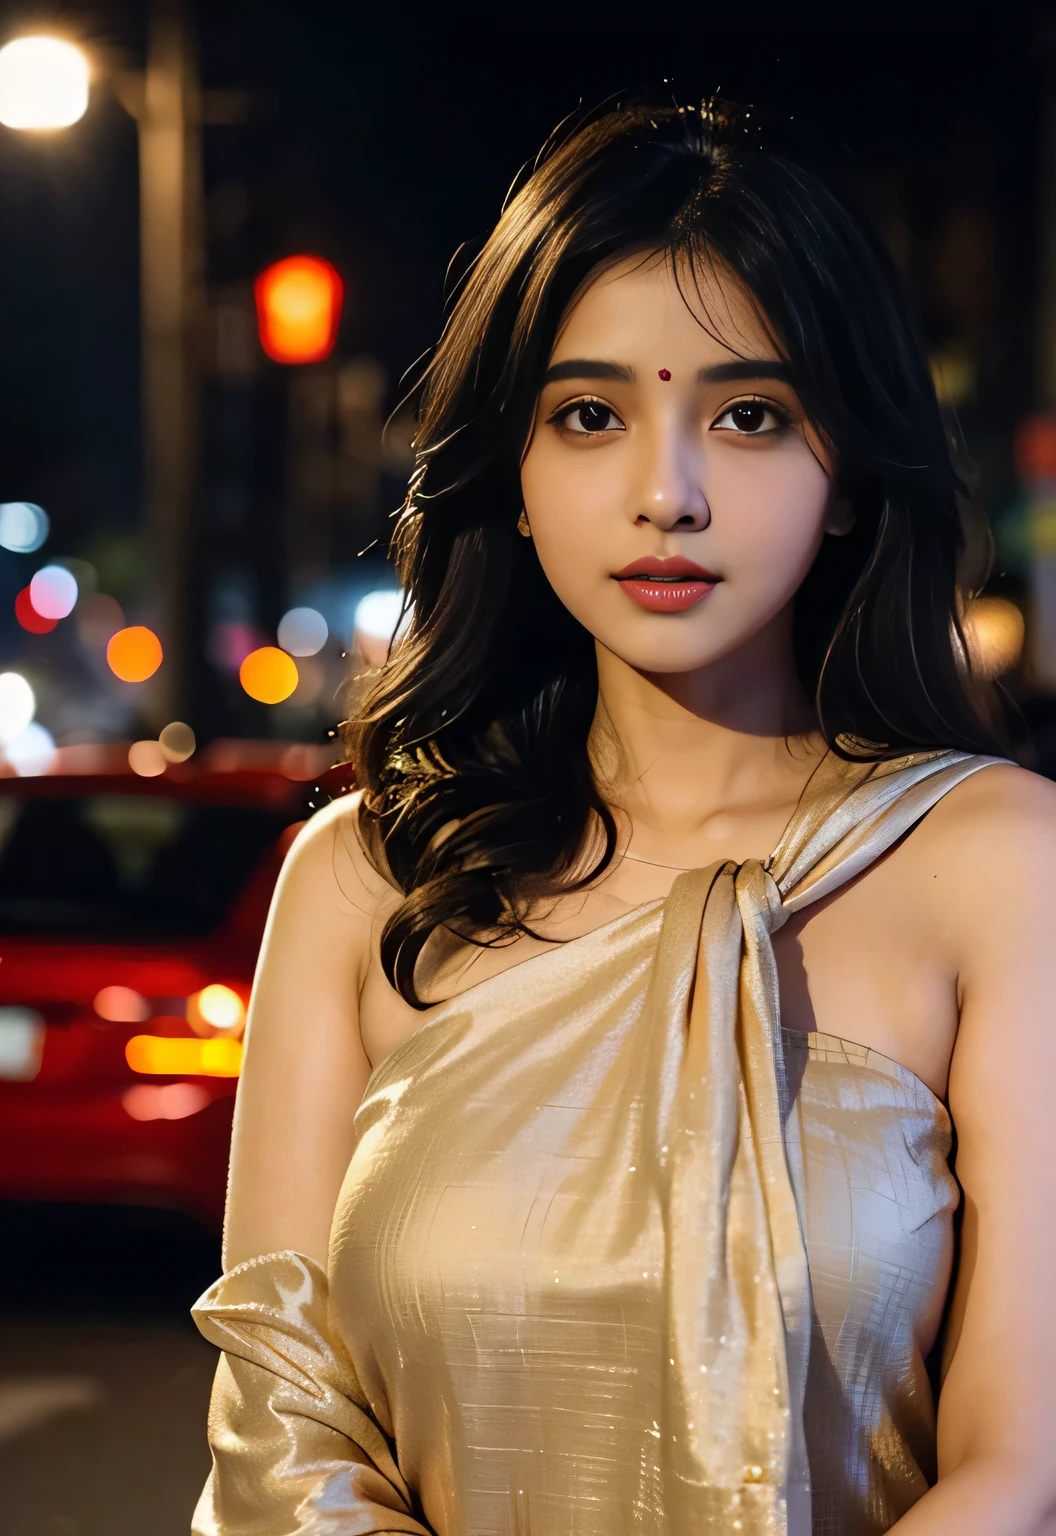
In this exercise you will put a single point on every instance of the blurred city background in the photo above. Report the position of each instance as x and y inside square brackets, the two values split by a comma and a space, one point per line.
[225, 228]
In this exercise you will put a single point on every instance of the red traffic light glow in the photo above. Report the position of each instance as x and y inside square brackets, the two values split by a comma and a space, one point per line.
[299, 309]
[28, 616]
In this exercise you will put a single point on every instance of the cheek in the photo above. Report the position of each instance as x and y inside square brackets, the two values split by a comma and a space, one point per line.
[570, 500]
[769, 516]
[558, 482]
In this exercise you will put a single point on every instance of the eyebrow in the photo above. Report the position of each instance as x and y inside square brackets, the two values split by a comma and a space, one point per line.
[588, 368]
[746, 368]
[718, 373]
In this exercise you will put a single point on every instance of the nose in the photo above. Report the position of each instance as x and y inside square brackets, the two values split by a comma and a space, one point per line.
[671, 494]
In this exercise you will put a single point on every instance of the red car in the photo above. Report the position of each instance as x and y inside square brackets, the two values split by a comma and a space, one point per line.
[131, 912]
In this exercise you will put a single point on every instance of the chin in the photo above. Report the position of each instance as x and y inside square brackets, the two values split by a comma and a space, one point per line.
[675, 655]
[673, 644]
[666, 667]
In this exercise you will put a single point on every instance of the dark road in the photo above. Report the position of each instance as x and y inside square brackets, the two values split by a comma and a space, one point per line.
[104, 1381]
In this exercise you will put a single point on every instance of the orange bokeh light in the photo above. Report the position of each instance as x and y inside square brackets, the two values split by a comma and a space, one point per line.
[158, 1055]
[268, 675]
[299, 309]
[134, 654]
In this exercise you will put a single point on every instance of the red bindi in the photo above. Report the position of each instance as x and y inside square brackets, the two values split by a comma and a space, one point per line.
[664, 373]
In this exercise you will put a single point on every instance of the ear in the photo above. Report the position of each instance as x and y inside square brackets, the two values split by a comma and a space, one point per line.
[522, 525]
[840, 517]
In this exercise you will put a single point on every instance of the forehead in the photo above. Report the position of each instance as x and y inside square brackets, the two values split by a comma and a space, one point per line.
[644, 303]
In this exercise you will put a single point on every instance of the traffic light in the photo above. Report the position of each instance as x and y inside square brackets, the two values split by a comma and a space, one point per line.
[299, 304]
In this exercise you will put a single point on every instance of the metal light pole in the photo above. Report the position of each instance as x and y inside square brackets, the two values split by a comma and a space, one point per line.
[44, 86]
[172, 305]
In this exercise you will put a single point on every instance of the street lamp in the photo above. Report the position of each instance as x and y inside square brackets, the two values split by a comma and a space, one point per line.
[43, 83]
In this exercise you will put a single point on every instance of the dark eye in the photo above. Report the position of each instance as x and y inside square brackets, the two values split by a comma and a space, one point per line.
[588, 417]
[750, 417]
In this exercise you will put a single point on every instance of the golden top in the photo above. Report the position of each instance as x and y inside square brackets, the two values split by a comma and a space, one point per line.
[616, 1253]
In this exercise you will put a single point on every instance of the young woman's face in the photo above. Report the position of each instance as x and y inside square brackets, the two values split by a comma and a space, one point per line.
[675, 493]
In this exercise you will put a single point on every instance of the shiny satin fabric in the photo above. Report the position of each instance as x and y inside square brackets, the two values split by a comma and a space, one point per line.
[610, 1256]
[295, 1445]
[877, 1199]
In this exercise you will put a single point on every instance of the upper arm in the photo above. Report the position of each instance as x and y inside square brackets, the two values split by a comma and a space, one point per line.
[999, 1394]
[304, 1068]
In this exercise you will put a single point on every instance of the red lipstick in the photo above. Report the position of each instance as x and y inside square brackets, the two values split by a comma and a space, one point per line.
[666, 586]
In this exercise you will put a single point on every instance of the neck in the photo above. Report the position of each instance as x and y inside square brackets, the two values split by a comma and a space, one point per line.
[674, 749]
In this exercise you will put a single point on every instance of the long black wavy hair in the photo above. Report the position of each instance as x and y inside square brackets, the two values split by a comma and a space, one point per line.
[472, 741]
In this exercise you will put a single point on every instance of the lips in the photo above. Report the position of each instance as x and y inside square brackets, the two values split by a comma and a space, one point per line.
[668, 585]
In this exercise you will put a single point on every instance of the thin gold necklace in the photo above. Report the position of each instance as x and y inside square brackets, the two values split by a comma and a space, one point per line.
[636, 859]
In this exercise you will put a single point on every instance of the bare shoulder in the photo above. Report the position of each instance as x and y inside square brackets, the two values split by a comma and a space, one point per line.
[305, 1067]
[329, 900]
[982, 860]
[329, 867]
[999, 815]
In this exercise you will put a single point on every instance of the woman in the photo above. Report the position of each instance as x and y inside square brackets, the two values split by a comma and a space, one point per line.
[590, 1170]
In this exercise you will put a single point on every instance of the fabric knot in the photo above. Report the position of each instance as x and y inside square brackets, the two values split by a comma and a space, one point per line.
[755, 885]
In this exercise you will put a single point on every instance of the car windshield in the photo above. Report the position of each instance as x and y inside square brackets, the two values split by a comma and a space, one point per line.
[125, 866]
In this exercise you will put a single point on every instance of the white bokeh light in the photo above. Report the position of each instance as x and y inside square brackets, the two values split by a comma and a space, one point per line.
[23, 526]
[147, 758]
[302, 631]
[378, 614]
[17, 705]
[32, 751]
[53, 592]
[177, 742]
[43, 83]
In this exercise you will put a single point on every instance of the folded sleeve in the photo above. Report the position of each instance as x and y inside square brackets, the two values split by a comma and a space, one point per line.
[296, 1449]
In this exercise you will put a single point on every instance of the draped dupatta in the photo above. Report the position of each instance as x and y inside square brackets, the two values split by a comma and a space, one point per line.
[738, 1312]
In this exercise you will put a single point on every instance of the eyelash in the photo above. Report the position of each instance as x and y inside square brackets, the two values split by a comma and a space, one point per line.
[560, 416]
[782, 417]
